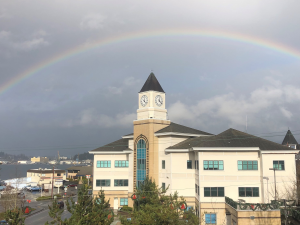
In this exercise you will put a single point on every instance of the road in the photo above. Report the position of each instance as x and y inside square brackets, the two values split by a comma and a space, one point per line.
[43, 216]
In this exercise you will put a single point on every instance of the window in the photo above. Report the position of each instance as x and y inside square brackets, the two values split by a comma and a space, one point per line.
[121, 163]
[103, 164]
[213, 165]
[196, 188]
[247, 165]
[248, 192]
[123, 201]
[210, 218]
[43, 174]
[57, 174]
[163, 164]
[102, 183]
[189, 164]
[279, 165]
[121, 183]
[163, 186]
[197, 164]
[214, 192]
[141, 162]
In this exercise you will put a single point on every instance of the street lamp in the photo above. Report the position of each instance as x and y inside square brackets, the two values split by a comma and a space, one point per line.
[267, 178]
[274, 179]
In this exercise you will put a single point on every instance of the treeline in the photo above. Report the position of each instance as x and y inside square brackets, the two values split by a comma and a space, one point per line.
[8, 157]
[84, 156]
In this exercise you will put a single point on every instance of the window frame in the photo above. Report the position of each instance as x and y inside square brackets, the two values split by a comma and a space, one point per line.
[100, 182]
[125, 200]
[163, 164]
[247, 191]
[121, 162]
[210, 220]
[189, 163]
[213, 164]
[242, 164]
[277, 169]
[121, 182]
[103, 162]
[163, 186]
[210, 192]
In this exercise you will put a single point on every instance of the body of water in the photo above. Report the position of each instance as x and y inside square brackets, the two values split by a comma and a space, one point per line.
[20, 170]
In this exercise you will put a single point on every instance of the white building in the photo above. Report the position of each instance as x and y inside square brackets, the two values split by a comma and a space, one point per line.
[202, 167]
[46, 176]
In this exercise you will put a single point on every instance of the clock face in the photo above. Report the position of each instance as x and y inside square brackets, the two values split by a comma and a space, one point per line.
[144, 100]
[158, 100]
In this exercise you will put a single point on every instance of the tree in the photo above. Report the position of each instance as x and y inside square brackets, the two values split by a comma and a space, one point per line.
[88, 209]
[14, 216]
[153, 206]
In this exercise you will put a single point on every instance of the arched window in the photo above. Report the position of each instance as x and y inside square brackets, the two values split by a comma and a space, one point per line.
[141, 161]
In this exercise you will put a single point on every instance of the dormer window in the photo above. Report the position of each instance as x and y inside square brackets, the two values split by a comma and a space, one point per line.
[292, 146]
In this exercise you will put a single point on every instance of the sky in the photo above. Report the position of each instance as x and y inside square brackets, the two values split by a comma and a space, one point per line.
[82, 64]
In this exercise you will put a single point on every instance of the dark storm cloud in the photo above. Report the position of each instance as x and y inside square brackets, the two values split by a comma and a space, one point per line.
[90, 99]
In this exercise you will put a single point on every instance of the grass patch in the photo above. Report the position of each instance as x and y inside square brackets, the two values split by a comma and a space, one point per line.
[2, 216]
[47, 197]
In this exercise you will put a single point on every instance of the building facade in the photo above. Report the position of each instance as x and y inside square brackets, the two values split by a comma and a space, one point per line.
[201, 167]
[39, 159]
[44, 176]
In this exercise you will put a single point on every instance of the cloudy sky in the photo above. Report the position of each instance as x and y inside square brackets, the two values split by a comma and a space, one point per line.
[89, 99]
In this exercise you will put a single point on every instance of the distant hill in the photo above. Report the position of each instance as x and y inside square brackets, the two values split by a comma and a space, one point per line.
[10, 158]
[84, 156]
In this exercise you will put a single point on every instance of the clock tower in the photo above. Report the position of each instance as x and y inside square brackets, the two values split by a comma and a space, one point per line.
[151, 117]
[152, 104]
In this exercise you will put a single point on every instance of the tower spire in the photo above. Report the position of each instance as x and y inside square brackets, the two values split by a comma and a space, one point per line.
[152, 84]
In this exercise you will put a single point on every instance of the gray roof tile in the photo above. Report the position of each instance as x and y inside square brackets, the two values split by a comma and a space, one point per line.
[119, 145]
[289, 139]
[177, 128]
[230, 138]
[152, 84]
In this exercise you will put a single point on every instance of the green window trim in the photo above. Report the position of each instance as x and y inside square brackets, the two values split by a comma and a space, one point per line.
[278, 164]
[247, 165]
[103, 164]
[123, 201]
[121, 163]
[214, 192]
[248, 191]
[213, 165]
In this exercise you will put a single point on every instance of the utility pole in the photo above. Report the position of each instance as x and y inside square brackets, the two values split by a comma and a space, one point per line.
[274, 169]
[52, 182]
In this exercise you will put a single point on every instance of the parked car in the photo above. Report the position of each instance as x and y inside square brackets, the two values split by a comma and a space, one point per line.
[3, 222]
[72, 185]
[36, 188]
[61, 204]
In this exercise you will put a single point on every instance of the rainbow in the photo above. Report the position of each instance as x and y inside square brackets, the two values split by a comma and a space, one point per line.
[149, 34]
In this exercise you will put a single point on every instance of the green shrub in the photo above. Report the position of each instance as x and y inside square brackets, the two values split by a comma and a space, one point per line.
[47, 197]
[127, 208]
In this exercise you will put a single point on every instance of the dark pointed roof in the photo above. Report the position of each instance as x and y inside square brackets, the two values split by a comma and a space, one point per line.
[177, 128]
[230, 138]
[289, 139]
[152, 84]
